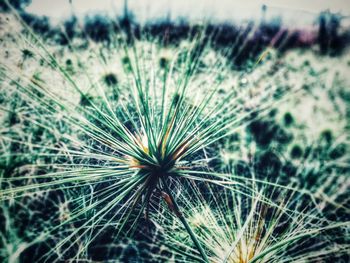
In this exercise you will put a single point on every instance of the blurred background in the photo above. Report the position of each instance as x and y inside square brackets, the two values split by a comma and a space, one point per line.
[252, 26]
[298, 12]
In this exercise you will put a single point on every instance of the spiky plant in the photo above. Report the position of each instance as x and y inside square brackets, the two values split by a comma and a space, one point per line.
[112, 157]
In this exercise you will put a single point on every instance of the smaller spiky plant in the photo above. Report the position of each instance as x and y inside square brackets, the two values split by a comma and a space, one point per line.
[266, 223]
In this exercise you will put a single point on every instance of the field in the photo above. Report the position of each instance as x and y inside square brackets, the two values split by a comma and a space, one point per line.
[139, 148]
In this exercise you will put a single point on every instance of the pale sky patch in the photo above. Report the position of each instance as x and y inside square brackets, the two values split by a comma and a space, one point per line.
[292, 11]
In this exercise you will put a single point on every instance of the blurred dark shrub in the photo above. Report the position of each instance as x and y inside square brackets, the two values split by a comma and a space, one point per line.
[17, 4]
[98, 28]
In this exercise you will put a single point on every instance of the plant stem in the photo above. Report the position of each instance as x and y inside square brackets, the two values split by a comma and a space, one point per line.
[184, 222]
